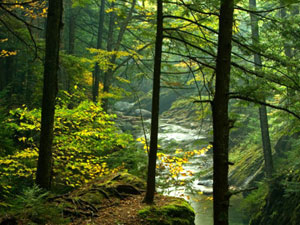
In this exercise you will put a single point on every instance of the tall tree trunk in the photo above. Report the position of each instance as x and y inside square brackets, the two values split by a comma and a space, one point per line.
[96, 74]
[2, 75]
[155, 106]
[110, 41]
[109, 74]
[72, 27]
[54, 24]
[263, 117]
[29, 86]
[220, 115]
[287, 48]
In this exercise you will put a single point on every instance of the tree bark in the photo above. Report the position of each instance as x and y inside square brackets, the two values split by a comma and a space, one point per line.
[263, 117]
[54, 24]
[155, 106]
[220, 115]
[72, 27]
[109, 74]
[110, 41]
[287, 49]
[96, 74]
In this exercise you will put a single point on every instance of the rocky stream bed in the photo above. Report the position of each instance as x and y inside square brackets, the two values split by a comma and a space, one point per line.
[183, 134]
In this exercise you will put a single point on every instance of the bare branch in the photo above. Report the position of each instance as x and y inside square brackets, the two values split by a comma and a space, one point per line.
[249, 99]
[242, 190]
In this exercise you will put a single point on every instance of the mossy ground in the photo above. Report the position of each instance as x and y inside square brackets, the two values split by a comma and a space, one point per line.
[112, 200]
[176, 212]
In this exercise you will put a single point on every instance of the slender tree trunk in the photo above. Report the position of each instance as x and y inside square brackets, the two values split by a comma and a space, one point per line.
[96, 74]
[29, 83]
[7, 71]
[263, 117]
[110, 41]
[220, 115]
[54, 24]
[155, 106]
[2, 75]
[10, 69]
[72, 27]
[109, 74]
[287, 48]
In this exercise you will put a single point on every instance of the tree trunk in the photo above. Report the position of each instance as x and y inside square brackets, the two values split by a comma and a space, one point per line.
[29, 86]
[7, 71]
[72, 26]
[155, 106]
[109, 74]
[110, 41]
[54, 24]
[263, 117]
[96, 74]
[2, 75]
[287, 48]
[220, 115]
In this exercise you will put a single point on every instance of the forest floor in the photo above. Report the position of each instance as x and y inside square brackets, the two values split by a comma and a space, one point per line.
[121, 212]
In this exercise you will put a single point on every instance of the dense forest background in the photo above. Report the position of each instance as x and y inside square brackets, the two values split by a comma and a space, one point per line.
[232, 77]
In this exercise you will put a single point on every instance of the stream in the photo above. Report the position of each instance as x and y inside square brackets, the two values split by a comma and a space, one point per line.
[173, 136]
[194, 188]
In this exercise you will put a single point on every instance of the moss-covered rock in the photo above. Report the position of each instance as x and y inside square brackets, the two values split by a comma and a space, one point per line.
[176, 212]
[125, 179]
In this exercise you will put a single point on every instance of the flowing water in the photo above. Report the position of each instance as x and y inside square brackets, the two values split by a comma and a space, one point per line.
[176, 136]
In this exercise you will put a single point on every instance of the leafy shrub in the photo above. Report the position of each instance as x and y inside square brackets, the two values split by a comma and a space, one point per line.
[31, 207]
[85, 142]
[255, 201]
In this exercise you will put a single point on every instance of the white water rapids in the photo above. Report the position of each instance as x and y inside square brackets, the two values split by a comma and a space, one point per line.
[174, 136]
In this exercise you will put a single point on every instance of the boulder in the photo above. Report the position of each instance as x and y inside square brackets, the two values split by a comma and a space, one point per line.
[145, 113]
[176, 212]
[123, 106]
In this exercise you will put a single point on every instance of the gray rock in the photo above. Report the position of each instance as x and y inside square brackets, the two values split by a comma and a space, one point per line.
[123, 106]
[145, 113]
[207, 183]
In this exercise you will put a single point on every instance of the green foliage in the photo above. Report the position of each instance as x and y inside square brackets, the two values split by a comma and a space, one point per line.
[31, 207]
[76, 76]
[254, 201]
[86, 145]
[6, 144]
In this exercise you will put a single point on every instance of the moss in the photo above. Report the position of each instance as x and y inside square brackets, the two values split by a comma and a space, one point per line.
[122, 178]
[176, 212]
[248, 163]
[126, 178]
[93, 197]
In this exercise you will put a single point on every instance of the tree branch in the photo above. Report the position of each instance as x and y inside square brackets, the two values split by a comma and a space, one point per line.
[242, 190]
[249, 99]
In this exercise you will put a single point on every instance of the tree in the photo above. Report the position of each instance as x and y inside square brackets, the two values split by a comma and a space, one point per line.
[155, 106]
[263, 117]
[220, 115]
[71, 21]
[96, 73]
[108, 74]
[54, 24]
